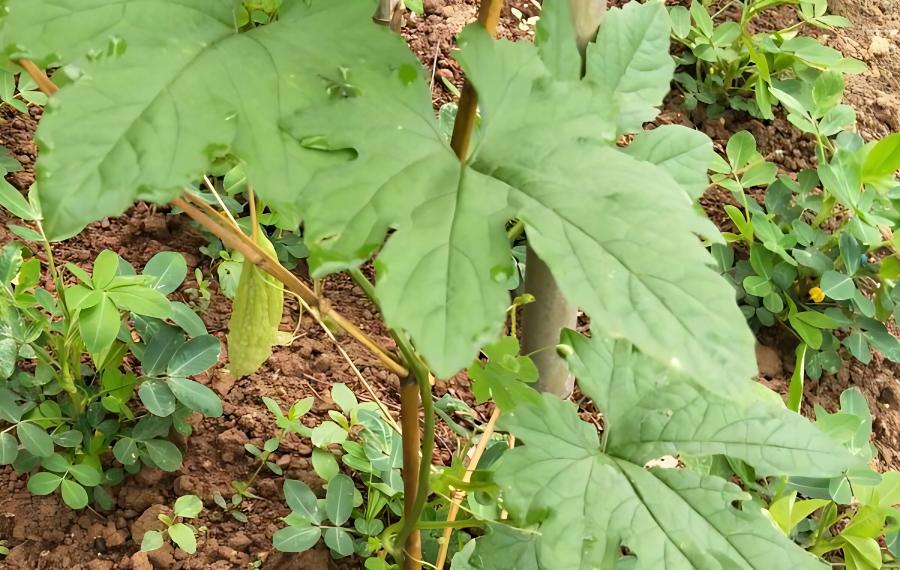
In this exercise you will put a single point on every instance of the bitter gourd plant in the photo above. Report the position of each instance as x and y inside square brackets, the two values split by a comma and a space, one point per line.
[332, 118]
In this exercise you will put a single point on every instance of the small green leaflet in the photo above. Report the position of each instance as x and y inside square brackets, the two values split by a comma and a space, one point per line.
[44, 483]
[302, 501]
[99, 325]
[9, 449]
[505, 378]
[34, 439]
[837, 286]
[9, 353]
[339, 499]
[164, 454]
[195, 356]
[296, 538]
[339, 541]
[183, 535]
[196, 396]
[157, 398]
[168, 270]
[73, 494]
[152, 540]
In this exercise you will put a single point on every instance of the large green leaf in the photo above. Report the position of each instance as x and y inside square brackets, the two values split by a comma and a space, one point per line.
[631, 59]
[544, 153]
[651, 412]
[682, 152]
[596, 503]
[503, 547]
[182, 88]
[591, 498]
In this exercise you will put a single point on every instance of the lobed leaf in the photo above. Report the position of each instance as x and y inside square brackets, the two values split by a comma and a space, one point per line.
[538, 156]
[668, 518]
[178, 87]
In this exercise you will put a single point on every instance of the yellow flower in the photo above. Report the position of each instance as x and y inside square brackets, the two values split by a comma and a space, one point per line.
[816, 294]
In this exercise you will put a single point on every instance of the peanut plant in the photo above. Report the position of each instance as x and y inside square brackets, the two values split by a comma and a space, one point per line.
[331, 117]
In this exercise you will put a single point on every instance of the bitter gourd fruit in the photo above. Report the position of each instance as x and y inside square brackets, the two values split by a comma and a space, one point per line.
[255, 316]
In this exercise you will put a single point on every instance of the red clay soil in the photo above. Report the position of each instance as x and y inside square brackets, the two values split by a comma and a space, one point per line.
[44, 534]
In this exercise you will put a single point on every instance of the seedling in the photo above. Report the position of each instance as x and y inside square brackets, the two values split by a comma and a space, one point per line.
[181, 533]
[287, 423]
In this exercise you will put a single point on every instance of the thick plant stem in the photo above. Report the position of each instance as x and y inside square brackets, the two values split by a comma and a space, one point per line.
[409, 534]
[390, 13]
[542, 321]
[239, 242]
[415, 471]
[488, 16]
[551, 312]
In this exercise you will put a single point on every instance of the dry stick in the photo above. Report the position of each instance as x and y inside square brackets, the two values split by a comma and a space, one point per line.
[467, 476]
[40, 78]
[488, 15]
[212, 188]
[253, 254]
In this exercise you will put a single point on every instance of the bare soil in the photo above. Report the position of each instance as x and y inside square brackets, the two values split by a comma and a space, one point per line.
[42, 533]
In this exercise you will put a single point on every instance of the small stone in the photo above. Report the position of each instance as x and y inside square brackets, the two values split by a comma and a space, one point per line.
[240, 541]
[149, 520]
[445, 73]
[148, 476]
[226, 553]
[185, 485]
[163, 557]
[140, 561]
[268, 488]
[232, 437]
[223, 382]
[768, 362]
[431, 6]
[322, 363]
[880, 46]
[116, 538]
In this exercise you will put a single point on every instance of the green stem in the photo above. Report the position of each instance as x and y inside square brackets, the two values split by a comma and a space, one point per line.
[363, 283]
[420, 371]
[262, 460]
[67, 376]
